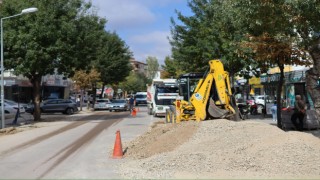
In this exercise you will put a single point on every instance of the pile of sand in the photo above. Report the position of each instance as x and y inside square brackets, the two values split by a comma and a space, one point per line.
[222, 149]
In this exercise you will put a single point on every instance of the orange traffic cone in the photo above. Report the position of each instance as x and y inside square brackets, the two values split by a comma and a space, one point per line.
[134, 112]
[117, 150]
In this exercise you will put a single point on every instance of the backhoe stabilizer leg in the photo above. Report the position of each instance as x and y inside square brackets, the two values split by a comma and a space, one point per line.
[236, 116]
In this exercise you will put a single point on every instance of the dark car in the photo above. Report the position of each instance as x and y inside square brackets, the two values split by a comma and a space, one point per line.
[64, 106]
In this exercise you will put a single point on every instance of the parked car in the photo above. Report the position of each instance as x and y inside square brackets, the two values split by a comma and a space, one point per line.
[102, 104]
[119, 105]
[259, 101]
[9, 111]
[22, 106]
[65, 106]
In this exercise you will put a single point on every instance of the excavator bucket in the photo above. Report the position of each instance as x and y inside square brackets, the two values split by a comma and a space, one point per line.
[215, 111]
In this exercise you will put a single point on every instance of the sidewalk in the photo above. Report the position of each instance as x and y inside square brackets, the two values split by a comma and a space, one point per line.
[268, 119]
[262, 118]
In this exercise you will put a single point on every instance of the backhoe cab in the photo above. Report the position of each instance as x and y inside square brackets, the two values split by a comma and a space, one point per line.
[210, 99]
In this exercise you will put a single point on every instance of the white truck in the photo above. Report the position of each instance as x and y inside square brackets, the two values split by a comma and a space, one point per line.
[160, 94]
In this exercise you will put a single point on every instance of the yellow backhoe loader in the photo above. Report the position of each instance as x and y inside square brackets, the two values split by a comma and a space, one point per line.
[210, 99]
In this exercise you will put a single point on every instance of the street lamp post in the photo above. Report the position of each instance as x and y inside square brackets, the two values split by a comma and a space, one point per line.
[25, 11]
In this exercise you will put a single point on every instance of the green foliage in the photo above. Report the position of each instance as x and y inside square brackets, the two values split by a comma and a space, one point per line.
[208, 34]
[43, 41]
[64, 36]
[153, 67]
[84, 80]
[135, 82]
[113, 59]
[171, 69]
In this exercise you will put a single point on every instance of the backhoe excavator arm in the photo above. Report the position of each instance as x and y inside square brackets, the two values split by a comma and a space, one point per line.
[212, 96]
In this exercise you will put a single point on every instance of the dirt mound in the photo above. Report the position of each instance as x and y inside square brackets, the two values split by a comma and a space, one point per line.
[226, 149]
[161, 138]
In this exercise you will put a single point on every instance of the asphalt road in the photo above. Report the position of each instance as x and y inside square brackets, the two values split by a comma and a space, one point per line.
[69, 148]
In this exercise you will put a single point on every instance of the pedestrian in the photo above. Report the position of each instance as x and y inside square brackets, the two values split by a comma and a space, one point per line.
[299, 113]
[274, 111]
[78, 101]
[131, 103]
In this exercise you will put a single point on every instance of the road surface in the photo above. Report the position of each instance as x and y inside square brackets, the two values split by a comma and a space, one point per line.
[69, 149]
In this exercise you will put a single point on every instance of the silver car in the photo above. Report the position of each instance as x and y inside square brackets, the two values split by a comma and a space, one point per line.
[22, 106]
[119, 105]
[102, 104]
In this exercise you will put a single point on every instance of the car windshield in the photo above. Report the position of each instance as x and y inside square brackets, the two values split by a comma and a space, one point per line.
[118, 101]
[102, 100]
[10, 103]
[141, 96]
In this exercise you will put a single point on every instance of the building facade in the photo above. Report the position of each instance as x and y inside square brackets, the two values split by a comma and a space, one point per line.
[138, 66]
[19, 88]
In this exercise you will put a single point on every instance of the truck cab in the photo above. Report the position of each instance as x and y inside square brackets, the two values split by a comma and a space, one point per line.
[161, 94]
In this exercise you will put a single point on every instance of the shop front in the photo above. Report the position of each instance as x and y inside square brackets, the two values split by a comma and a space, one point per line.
[270, 83]
[256, 88]
[295, 85]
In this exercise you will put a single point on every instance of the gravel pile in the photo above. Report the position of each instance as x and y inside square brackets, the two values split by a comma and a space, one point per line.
[223, 149]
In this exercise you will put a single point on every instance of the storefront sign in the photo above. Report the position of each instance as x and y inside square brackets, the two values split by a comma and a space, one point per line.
[297, 76]
[254, 80]
[270, 78]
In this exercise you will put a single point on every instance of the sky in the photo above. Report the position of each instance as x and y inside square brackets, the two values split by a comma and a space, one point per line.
[143, 24]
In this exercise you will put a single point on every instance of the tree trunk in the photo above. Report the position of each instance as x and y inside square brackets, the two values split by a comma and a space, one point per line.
[279, 91]
[94, 93]
[81, 98]
[312, 77]
[102, 91]
[36, 83]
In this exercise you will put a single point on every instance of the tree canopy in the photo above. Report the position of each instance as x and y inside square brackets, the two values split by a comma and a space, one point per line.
[153, 67]
[63, 36]
[208, 34]
[135, 82]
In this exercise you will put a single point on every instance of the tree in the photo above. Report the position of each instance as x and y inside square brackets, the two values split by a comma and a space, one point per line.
[113, 60]
[135, 82]
[304, 16]
[208, 34]
[153, 67]
[84, 81]
[54, 38]
[171, 69]
[272, 45]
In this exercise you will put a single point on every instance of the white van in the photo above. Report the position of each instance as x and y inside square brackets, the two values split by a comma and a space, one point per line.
[141, 98]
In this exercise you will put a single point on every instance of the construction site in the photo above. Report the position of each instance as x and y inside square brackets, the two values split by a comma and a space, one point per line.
[221, 149]
[199, 133]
